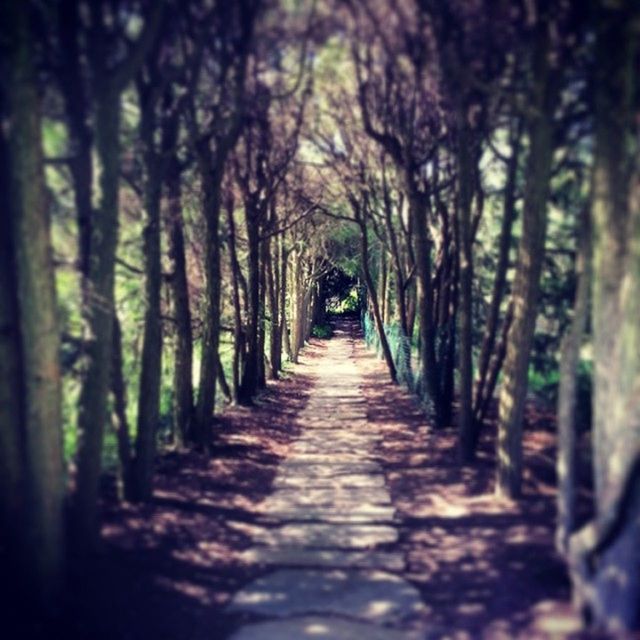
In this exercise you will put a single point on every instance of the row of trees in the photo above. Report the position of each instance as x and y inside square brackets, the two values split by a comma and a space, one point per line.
[200, 169]
[172, 174]
[469, 131]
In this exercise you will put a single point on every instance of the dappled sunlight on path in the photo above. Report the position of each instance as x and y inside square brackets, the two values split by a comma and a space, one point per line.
[330, 543]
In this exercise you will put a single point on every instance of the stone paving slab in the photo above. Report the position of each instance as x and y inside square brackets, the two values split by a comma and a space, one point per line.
[331, 469]
[325, 558]
[374, 596]
[358, 514]
[316, 627]
[328, 535]
[335, 496]
[299, 480]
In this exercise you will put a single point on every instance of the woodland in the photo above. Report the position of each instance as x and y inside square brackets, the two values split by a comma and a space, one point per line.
[192, 191]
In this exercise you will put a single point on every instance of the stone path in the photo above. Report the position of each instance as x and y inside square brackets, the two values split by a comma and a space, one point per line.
[334, 572]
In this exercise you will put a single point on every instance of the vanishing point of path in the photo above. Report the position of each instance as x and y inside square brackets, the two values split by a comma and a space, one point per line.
[334, 567]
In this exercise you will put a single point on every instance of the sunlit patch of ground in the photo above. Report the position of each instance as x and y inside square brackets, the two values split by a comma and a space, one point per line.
[486, 567]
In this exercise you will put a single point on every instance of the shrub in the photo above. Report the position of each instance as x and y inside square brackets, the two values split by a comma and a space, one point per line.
[322, 331]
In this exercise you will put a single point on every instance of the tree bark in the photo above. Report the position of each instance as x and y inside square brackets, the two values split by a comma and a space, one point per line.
[238, 331]
[80, 134]
[183, 353]
[284, 330]
[530, 260]
[422, 248]
[12, 459]
[120, 422]
[250, 378]
[466, 423]
[211, 182]
[273, 289]
[151, 364]
[36, 297]
[569, 361]
[500, 278]
[373, 294]
[92, 410]
[604, 555]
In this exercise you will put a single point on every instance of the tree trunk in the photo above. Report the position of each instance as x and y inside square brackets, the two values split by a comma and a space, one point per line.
[262, 288]
[569, 360]
[12, 460]
[250, 377]
[495, 365]
[36, 297]
[238, 331]
[273, 288]
[284, 329]
[151, 365]
[604, 555]
[80, 136]
[211, 181]
[527, 278]
[183, 354]
[119, 420]
[373, 295]
[500, 278]
[466, 424]
[422, 248]
[382, 295]
[296, 308]
[92, 412]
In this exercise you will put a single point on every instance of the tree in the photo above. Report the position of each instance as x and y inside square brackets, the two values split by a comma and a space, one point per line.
[214, 127]
[33, 436]
[604, 558]
[530, 258]
[97, 242]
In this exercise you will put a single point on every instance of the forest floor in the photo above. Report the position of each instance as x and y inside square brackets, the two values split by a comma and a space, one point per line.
[332, 510]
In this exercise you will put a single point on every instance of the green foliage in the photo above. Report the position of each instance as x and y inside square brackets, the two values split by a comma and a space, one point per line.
[344, 247]
[348, 304]
[546, 386]
[322, 331]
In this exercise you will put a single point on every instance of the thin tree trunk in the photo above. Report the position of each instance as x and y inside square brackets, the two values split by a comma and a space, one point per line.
[222, 381]
[382, 296]
[92, 412]
[495, 365]
[183, 353]
[422, 248]
[373, 294]
[120, 422]
[284, 329]
[151, 365]
[296, 308]
[80, 136]
[238, 332]
[500, 279]
[273, 286]
[466, 423]
[211, 180]
[250, 377]
[262, 288]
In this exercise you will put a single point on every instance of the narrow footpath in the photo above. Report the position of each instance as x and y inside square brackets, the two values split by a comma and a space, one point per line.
[330, 542]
